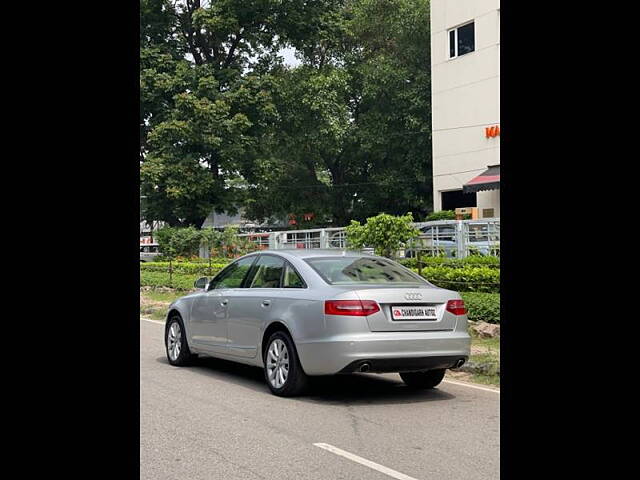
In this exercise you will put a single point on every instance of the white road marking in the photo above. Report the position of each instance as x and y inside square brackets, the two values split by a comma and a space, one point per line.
[473, 386]
[152, 321]
[364, 461]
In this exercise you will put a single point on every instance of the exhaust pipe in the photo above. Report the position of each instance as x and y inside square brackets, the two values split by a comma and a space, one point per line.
[459, 363]
[365, 367]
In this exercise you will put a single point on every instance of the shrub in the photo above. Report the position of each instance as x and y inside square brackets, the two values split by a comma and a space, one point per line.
[484, 307]
[385, 233]
[427, 261]
[161, 279]
[441, 215]
[201, 269]
[178, 242]
[467, 279]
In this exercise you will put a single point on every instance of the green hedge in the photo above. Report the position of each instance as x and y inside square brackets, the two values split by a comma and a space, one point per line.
[481, 306]
[472, 261]
[467, 279]
[160, 279]
[463, 279]
[484, 307]
[156, 274]
[161, 259]
[185, 268]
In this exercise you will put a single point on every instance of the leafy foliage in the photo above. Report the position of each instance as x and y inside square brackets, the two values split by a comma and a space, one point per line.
[441, 215]
[476, 260]
[174, 242]
[467, 279]
[224, 124]
[355, 118]
[385, 233]
[230, 245]
[206, 106]
[183, 268]
[484, 307]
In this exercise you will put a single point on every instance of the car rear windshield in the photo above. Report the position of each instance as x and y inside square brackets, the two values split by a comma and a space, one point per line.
[350, 270]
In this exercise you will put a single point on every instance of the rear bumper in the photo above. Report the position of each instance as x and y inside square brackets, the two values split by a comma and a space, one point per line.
[384, 351]
[410, 364]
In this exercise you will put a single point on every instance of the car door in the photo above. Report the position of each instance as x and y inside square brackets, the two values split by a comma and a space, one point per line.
[252, 306]
[210, 311]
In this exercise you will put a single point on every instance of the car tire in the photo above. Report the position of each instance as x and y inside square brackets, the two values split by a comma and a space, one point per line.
[428, 379]
[175, 339]
[295, 380]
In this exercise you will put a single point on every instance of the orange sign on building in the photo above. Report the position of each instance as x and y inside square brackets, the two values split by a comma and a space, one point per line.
[492, 132]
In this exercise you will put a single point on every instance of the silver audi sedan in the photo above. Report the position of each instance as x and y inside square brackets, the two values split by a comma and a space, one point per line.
[300, 313]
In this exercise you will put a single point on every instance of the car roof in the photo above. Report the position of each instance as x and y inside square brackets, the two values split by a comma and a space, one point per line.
[316, 252]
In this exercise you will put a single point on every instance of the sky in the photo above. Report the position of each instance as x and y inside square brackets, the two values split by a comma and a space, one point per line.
[289, 57]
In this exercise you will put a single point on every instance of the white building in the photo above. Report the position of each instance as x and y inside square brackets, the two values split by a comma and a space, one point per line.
[465, 70]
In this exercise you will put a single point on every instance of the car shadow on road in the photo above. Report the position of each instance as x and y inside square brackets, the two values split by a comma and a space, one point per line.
[236, 373]
[368, 389]
[354, 389]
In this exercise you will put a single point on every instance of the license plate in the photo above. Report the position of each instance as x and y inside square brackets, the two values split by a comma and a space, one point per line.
[406, 312]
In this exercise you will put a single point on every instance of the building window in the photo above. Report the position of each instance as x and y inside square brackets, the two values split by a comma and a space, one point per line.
[462, 40]
[457, 199]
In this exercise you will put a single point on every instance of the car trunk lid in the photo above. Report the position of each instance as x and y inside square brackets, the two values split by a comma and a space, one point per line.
[428, 303]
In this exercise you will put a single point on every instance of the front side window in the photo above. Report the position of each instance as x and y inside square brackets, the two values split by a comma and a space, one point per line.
[362, 270]
[462, 40]
[268, 272]
[233, 275]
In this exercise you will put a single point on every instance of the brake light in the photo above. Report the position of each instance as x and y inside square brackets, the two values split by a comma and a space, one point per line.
[356, 308]
[456, 307]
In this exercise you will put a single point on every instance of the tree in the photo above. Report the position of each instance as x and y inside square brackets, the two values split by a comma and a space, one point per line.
[232, 245]
[385, 233]
[206, 105]
[179, 242]
[209, 239]
[354, 121]
[225, 124]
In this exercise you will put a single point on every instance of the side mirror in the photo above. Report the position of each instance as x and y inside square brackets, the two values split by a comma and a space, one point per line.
[201, 283]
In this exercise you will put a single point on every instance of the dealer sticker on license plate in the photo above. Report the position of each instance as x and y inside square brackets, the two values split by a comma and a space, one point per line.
[422, 312]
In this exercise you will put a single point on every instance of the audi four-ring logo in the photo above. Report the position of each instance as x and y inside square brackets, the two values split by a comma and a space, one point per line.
[413, 296]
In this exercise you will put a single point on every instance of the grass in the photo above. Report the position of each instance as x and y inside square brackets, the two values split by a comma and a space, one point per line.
[161, 296]
[491, 380]
[154, 304]
[486, 351]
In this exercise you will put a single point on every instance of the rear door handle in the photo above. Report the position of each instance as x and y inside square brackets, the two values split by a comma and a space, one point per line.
[266, 303]
[224, 302]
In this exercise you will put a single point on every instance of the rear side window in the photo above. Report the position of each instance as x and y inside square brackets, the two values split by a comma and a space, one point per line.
[291, 278]
[268, 272]
[362, 270]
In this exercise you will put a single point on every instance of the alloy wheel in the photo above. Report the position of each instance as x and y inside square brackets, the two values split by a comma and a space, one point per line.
[277, 363]
[174, 341]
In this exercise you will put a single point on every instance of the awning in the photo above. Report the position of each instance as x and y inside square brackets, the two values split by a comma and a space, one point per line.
[487, 180]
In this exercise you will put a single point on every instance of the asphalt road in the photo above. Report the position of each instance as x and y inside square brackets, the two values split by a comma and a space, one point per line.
[218, 420]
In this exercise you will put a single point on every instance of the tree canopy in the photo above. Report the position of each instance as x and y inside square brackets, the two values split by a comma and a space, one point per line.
[224, 124]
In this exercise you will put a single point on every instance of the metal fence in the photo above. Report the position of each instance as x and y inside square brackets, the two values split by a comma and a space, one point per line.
[457, 238]
[450, 238]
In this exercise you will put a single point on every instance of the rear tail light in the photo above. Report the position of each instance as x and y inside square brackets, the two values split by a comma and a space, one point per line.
[456, 307]
[356, 308]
